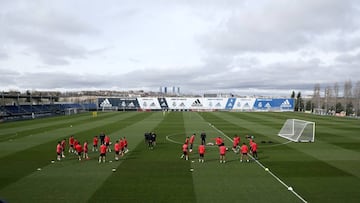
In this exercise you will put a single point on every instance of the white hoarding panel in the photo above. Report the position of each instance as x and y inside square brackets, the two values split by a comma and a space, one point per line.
[182, 103]
[148, 103]
[215, 103]
[244, 104]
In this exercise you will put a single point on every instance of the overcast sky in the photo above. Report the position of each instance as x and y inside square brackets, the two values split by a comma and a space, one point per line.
[243, 47]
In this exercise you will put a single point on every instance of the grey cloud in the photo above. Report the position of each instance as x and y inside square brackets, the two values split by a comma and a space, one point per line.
[54, 60]
[3, 54]
[45, 33]
[45, 19]
[279, 26]
[52, 80]
[99, 50]
[8, 77]
[273, 79]
[51, 50]
[282, 26]
[349, 58]
[338, 41]
[274, 76]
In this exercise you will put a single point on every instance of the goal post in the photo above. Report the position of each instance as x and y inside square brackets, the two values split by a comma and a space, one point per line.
[298, 130]
[110, 108]
[71, 111]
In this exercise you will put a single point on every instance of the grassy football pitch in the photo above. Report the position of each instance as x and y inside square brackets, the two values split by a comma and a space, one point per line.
[327, 170]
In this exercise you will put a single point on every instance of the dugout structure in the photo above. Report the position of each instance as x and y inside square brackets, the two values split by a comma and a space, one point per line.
[298, 130]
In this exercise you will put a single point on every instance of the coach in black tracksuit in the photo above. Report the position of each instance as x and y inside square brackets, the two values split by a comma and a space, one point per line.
[147, 138]
[102, 138]
[203, 137]
[153, 138]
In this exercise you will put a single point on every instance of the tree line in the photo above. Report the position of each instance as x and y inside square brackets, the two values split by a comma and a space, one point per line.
[332, 99]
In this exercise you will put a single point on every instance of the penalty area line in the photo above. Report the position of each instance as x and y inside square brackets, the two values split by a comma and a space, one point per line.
[263, 167]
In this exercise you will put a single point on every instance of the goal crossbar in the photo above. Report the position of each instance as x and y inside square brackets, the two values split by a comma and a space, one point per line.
[298, 130]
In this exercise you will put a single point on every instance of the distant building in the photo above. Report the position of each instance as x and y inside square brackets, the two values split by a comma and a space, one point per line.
[210, 95]
[170, 90]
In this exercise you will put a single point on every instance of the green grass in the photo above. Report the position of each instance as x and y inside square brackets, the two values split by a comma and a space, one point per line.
[325, 171]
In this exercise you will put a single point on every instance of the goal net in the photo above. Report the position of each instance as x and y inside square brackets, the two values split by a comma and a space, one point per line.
[110, 108]
[298, 130]
[71, 111]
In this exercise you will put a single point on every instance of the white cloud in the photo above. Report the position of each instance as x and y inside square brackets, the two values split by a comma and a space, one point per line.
[249, 47]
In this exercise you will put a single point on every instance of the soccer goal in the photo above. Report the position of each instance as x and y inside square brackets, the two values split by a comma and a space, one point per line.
[298, 130]
[71, 111]
[110, 108]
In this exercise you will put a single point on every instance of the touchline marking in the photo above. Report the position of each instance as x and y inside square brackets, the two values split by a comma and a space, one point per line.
[263, 167]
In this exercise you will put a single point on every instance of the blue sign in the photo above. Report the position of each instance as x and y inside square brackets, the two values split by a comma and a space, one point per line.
[274, 105]
[230, 103]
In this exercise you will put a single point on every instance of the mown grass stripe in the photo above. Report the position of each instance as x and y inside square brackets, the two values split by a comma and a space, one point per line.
[320, 171]
[156, 175]
[22, 162]
[56, 134]
[306, 160]
[266, 169]
[217, 182]
[20, 130]
[74, 181]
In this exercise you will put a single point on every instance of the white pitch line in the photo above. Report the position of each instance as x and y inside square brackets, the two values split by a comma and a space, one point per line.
[171, 140]
[262, 166]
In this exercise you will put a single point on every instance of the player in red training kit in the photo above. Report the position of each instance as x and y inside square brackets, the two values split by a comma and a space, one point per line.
[71, 144]
[236, 141]
[75, 143]
[122, 146]
[126, 150]
[254, 149]
[185, 151]
[187, 139]
[250, 142]
[102, 156]
[117, 150]
[95, 143]
[63, 145]
[58, 151]
[191, 141]
[107, 143]
[222, 150]
[79, 150]
[85, 156]
[244, 152]
[201, 150]
[219, 141]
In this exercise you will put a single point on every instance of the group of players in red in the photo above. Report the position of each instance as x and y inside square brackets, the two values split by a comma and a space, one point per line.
[120, 147]
[244, 149]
